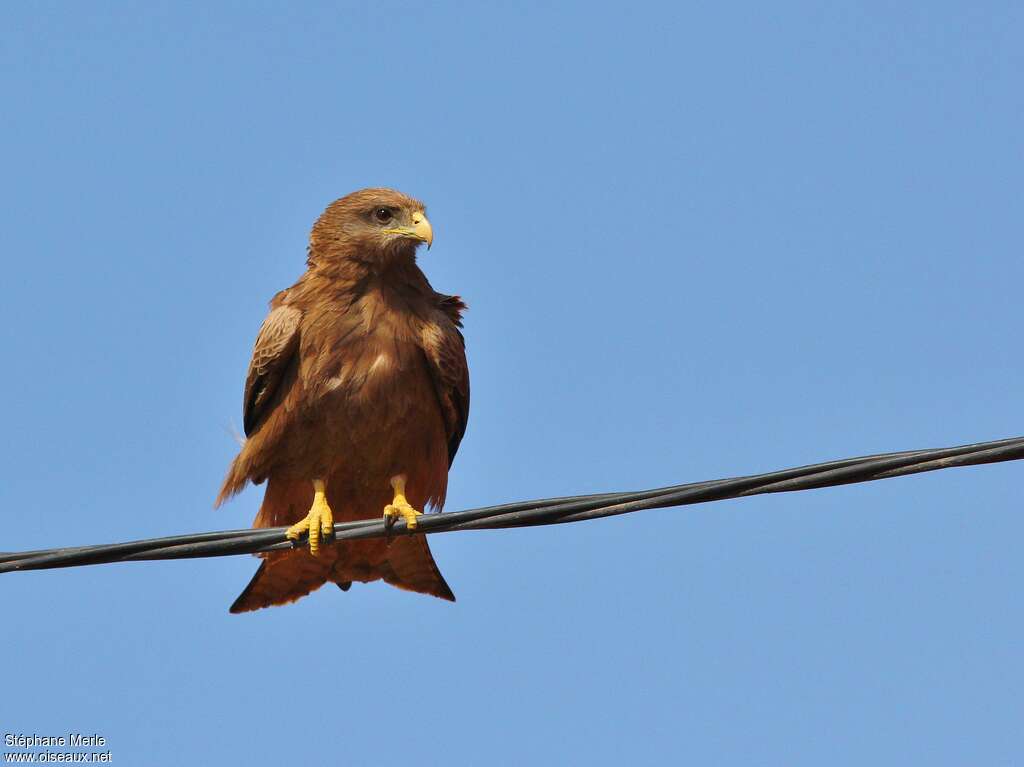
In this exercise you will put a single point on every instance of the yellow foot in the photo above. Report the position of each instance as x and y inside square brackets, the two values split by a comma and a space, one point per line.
[400, 507]
[319, 522]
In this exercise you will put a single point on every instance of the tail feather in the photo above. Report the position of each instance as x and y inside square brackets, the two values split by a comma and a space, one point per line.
[287, 577]
[280, 580]
[412, 568]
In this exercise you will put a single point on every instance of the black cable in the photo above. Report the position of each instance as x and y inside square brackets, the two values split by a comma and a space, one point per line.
[548, 511]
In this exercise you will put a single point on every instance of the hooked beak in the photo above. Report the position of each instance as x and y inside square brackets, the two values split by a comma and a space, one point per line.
[420, 229]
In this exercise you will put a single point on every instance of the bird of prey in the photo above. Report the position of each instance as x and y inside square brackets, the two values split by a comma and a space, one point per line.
[355, 403]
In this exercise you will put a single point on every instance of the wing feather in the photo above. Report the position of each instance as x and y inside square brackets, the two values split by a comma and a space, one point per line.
[445, 348]
[272, 354]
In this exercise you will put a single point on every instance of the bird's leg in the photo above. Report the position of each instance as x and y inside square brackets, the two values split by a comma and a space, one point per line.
[319, 521]
[400, 507]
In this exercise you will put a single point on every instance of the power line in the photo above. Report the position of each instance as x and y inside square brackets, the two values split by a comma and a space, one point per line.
[548, 511]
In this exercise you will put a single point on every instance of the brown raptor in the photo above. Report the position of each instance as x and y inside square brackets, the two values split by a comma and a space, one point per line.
[355, 403]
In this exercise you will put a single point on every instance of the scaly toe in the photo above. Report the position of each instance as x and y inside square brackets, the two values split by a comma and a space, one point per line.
[326, 517]
[393, 511]
[295, 531]
[319, 523]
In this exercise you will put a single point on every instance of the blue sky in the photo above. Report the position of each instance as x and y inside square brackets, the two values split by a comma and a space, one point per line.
[697, 240]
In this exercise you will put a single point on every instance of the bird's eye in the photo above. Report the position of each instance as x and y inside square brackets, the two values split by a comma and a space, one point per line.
[383, 215]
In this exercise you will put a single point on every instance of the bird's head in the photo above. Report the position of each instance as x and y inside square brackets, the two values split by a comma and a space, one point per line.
[371, 225]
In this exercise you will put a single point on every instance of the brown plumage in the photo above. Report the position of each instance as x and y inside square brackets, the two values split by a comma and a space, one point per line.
[358, 376]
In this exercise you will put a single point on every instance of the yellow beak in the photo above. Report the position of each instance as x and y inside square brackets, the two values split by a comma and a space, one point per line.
[420, 230]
